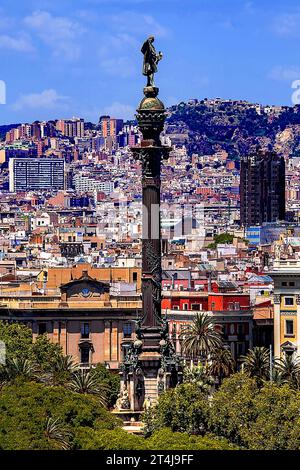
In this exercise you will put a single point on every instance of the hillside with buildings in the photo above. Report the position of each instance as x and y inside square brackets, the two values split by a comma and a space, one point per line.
[209, 125]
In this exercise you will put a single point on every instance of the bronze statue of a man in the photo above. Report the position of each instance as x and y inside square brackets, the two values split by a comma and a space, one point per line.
[151, 59]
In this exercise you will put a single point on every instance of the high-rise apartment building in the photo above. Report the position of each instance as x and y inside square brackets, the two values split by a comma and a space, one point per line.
[25, 131]
[262, 188]
[35, 174]
[110, 127]
[71, 127]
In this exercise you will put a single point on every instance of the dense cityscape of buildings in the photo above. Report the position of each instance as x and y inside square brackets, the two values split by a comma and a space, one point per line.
[71, 227]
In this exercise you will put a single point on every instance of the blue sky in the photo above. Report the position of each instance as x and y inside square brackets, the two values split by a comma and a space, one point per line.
[64, 58]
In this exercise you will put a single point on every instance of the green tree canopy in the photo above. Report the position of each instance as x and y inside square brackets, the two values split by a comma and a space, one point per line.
[25, 409]
[232, 407]
[277, 421]
[165, 439]
[182, 409]
[222, 238]
[19, 345]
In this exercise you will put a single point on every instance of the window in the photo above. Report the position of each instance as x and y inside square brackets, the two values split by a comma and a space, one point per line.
[284, 284]
[42, 328]
[289, 327]
[134, 277]
[196, 307]
[85, 355]
[236, 305]
[127, 330]
[291, 283]
[85, 330]
[289, 300]
[240, 329]
[213, 305]
[185, 306]
[230, 306]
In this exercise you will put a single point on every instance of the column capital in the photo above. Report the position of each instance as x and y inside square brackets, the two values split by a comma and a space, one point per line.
[276, 298]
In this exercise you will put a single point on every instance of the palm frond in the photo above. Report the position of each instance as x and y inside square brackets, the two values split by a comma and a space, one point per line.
[87, 382]
[56, 431]
[200, 337]
[257, 362]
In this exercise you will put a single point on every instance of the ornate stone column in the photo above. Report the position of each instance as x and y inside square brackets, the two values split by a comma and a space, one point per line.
[151, 116]
[150, 365]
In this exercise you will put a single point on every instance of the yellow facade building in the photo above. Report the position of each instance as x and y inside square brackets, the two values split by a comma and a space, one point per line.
[286, 276]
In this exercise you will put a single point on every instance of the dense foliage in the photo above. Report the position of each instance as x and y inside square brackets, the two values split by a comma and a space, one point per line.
[111, 380]
[165, 439]
[257, 417]
[232, 407]
[183, 409]
[25, 408]
[222, 238]
[47, 402]
[19, 345]
[37, 417]
[43, 361]
[244, 412]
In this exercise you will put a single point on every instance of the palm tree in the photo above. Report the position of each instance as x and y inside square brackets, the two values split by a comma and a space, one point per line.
[87, 382]
[257, 363]
[56, 431]
[18, 368]
[62, 369]
[277, 377]
[222, 363]
[289, 368]
[200, 337]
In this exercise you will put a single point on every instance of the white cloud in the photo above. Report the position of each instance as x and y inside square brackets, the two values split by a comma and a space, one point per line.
[123, 67]
[137, 23]
[287, 24]
[285, 73]
[21, 43]
[59, 33]
[47, 99]
[118, 110]
[118, 50]
[117, 54]
[6, 22]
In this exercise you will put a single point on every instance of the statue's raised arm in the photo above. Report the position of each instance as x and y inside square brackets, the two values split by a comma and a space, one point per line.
[151, 59]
